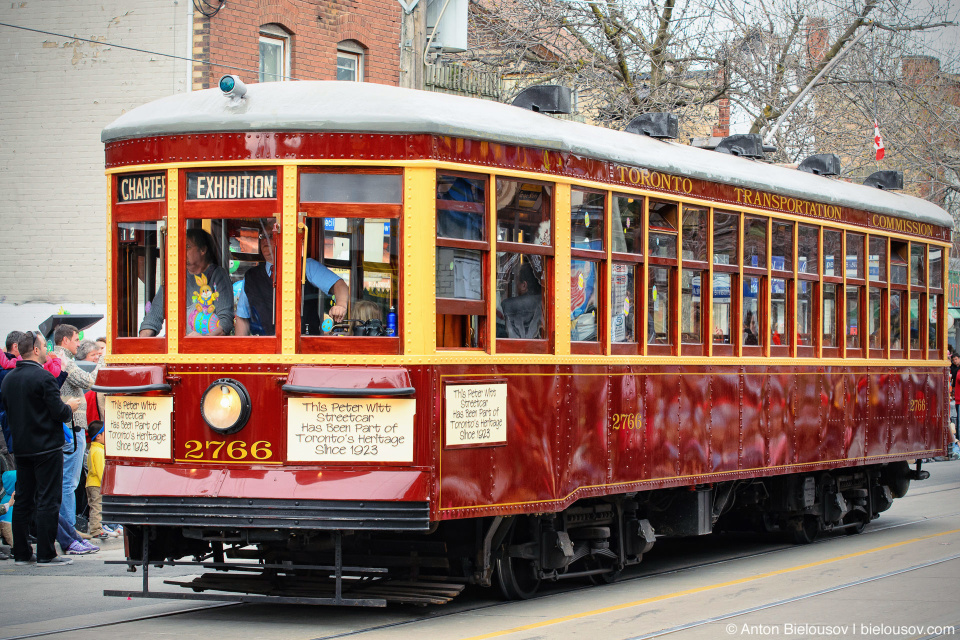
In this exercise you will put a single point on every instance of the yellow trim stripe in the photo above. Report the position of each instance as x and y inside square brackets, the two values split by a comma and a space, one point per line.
[206, 461]
[704, 475]
[712, 587]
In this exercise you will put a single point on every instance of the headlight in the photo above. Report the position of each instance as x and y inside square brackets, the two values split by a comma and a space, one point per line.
[225, 406]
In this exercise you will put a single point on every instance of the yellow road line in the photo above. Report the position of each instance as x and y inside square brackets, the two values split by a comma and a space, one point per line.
[687, 592]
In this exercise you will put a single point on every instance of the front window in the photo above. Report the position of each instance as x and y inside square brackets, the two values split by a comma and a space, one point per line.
[348, 268]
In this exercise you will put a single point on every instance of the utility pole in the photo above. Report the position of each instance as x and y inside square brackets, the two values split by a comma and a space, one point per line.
[413, 33]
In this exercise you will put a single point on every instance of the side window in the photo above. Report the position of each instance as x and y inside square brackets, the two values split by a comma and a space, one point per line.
[348, 261]
[754, 282]
[808, 268]
[694, 272]
[587, 262]
[626, 275]
[663, 223]
[463, 255]
[524, 250]
[726, 240]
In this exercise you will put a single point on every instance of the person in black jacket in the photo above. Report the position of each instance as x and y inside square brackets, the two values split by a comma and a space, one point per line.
[36, 415]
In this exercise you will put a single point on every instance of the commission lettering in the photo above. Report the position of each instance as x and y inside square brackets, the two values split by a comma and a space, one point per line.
[902, 226]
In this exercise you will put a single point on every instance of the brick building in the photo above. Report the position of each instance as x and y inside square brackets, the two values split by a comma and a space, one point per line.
[74, 66]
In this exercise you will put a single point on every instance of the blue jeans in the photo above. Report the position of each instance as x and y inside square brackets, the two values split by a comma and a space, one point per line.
[72, 466]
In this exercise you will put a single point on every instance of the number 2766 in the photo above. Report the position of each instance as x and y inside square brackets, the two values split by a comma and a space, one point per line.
[219, 450]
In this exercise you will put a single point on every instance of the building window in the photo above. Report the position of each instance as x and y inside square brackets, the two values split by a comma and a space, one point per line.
[274, 54]
[349, 62]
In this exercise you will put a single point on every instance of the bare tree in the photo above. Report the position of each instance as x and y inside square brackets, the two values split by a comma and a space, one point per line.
[686, 56]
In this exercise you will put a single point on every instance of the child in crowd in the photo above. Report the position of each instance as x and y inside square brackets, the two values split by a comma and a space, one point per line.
[6, 520]
[68, 539]
[94, 478]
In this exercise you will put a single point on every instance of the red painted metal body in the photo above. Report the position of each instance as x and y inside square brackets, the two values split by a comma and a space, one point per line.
[567, 435]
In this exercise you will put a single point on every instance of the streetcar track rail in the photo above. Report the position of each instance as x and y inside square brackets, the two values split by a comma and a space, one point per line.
[554, 592]
[805, 596]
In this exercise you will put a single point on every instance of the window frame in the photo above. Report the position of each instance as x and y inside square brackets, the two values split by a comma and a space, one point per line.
[701, 267]
[275, 34]
[226, 209]
[547, 344]
[463, 307]
[599, 259]
[638, 261]
[126, 212]
[348, 49]
[736, 288]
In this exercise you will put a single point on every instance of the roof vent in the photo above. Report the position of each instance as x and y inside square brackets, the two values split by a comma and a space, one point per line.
[822, 164]
[655, 125]
[545, 98]
[886, 180]
[745, 145]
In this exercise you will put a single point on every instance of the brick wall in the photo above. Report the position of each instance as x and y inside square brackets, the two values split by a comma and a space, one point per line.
[58, 94]
[231, 37]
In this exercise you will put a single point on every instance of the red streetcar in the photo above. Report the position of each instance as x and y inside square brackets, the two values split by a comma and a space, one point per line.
[369, 344]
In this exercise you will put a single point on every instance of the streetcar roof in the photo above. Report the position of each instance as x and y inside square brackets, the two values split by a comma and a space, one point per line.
[375, 108]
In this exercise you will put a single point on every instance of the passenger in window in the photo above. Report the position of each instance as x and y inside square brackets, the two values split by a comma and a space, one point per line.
[523, 313]
[209, 293]
[750, 336]
[255, 312]
[368, 319]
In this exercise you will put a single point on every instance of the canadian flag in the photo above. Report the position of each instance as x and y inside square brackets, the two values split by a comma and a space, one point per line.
[877, 140]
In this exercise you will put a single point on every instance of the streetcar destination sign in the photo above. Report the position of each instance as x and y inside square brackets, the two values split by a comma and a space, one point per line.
[141, 187]
[231, 185]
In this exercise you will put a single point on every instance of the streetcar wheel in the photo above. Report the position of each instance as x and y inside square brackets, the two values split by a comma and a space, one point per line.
[805, 529]
[858, 518]
[611, 576]
[518, 578]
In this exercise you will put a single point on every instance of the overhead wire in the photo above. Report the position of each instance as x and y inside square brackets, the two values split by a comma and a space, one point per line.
[147, 51]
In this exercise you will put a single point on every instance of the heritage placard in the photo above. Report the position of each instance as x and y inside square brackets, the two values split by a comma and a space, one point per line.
[138, 426]
[476, 414]
[350, 429]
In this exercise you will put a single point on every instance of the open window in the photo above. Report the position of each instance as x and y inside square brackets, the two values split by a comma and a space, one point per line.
[348, 267]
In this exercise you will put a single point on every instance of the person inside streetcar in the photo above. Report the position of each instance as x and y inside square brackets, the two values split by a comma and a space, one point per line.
[209, 292]
[255, 301]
